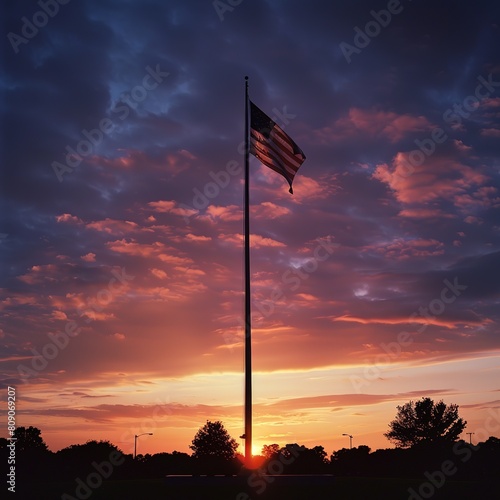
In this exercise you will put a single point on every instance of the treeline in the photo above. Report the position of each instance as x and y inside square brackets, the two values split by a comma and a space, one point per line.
[459, 460]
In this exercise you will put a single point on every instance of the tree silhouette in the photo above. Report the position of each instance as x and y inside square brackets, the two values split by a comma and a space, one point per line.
[77, 459]
[351, 461]
[425, 422]
[270, 451]
[29, 439]
[33, 459]
[213, 441]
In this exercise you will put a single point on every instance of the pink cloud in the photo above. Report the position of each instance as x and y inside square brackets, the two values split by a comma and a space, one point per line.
[304, 188]
[333, 400]
[158, 273]
[39, 274]
[181, 289]
[220, 213]
[461, 146]
[437, 178]
[491, 102]
[162, 205]
[424, 213]
[156, 249]
[490, 132]
[17, 299]
[189, 271]
[197, 238]
[179, 161]
[485, 196]
[268, 210]
[174, 259]
[59, 315]
[112, 226]
[372, 123]
[71, 219]
[170, 206]
[307, 297]
[448, 323]
[133, 248]
[402, 249]
[256, 241]
[470, 219]
[172, 162]
[191, 238]
[89, 257]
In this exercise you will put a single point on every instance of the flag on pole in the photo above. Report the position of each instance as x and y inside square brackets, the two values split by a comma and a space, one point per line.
[272, 147]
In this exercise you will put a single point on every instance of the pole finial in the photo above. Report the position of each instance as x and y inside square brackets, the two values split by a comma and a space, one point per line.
[246, 78]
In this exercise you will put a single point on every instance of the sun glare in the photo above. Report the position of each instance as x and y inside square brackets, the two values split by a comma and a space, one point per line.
[256, 449]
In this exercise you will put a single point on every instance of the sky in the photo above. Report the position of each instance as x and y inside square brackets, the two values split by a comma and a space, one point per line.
[376, 283]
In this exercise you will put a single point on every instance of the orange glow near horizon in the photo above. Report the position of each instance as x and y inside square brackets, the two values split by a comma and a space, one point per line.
[296, 416]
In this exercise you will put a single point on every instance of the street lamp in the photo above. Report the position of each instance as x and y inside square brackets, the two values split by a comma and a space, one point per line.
[470, 436]
[350, 440]
[135, 441]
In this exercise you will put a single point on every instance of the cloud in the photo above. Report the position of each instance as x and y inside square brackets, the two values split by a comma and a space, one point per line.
[114, 227]
[269, 210]
[68, 218]
[171, 206]
[401, 249]
[158, 273]
[347, 400]
[437, 178]
[132, 247]
[256, 241]
[490, 132]
[221, 213]
[424, 213]
[372, 123]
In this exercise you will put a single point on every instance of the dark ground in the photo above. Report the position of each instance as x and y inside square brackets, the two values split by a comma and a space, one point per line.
[342, 488]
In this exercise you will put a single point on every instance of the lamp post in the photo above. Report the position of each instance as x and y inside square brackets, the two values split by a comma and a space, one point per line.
[350, 440]
[135, 441]
[470, 436]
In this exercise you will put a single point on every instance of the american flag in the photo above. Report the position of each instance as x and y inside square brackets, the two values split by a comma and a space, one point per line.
[272, 147]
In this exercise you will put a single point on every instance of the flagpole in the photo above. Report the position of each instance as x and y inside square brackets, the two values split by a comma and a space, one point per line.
[248, 327]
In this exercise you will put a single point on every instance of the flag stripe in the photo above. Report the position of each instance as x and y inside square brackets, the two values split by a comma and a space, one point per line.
[290, 163]
[285, 148]
[273, 147]
[282, 148]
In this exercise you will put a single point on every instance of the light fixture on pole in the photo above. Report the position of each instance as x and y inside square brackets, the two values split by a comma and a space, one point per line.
[135, 441]
[350, 440]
